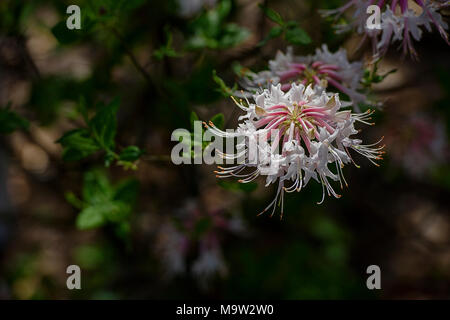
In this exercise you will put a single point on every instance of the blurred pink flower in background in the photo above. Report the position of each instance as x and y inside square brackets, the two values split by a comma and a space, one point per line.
[419, 144]
[198, 235]
[325, 70]
[188, 8]
[401, 20]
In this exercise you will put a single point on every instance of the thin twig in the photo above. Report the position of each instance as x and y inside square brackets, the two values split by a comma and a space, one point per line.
[132, 57]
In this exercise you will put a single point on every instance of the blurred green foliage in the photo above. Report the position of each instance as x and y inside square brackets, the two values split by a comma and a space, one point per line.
[293, 33]
[99, 135]
[103, 202]
[210, 30]
[11, 121]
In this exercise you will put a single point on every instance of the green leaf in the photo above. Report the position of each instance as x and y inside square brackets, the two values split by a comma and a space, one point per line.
[379, 78]
[272, 14]
[77, 144]
[73, 200]
[100, 135]
[232, 36]
[166, 50]
[131, 153]
[218, 120]
[297, 36]
[11, 121]
[103, 202]
[123, 230]
[223, 88]
[90, 256]
[372, 76]
[109, 158]
[64, 35]
[96, 187]
[97, 215]
[115, 211]
[275, 32]
[127, 191]
[104, 125]
[91, 217]
[223, 9]
[240, 70]
[210, 29]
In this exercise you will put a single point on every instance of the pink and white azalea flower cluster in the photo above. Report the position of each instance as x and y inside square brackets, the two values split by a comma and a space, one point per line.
[293, 136]
[401, 20]
[324, 70]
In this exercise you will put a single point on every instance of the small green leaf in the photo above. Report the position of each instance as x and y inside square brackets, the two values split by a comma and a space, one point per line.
[78, 138]
[109, 158]
[223, 9]
[232, 36]
[73, 200]
[89, 218]
[218, 120]
[64, 35]
[11, 121]
[104, 125]
[223, 88]
[123, 230]
[275, 32]
[272, 14]
[240, 70]
[210, 29]
[131, 153]
[96, 187]
[102, 202]
[90, 256]
[127, 191]
[372, 76]
[166, 50]
[97, 215]
[379, 78]
[297, 36]
[115, 211]
[77, 144]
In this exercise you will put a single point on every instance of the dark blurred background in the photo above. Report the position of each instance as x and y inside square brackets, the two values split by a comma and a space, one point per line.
[186, 235]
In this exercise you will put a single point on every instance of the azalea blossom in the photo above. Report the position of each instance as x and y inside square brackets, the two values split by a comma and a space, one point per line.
[176, 242]
[299, 134]
[419, 144]
[324, 70]
[188, 8]
[401, 20]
